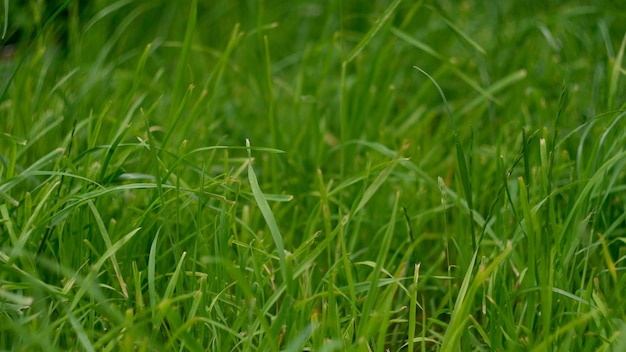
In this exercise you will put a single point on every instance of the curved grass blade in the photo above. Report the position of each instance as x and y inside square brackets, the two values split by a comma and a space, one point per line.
[463, 168]
[269, 218]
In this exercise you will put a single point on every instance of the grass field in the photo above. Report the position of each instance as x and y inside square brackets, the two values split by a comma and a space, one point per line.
[313, 176]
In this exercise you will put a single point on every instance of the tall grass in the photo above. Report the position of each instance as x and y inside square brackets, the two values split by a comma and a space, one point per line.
[389, 175]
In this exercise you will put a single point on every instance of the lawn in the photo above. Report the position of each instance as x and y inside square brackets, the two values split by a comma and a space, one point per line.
[390, 175]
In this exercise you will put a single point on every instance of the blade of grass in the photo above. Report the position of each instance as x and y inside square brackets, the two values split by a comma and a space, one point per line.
[7, 221]
[154, 158]
[183, 61]
[152, 274]
[413, 308]
[6, 19]
[494, 88]
[28, 226]
[485, 93]
[583, 319]
[107, 241]
[169, 290]
[138, 75]
[271, 102]
[81, 334]
[261, 201]
[465, 300]
[463, 168]
[380, 22]
[106, 12]
[373, 295]
[297, 344]
[464, 36]
[36, 166]
[121, 133]
[7, 198]
[615, 74]
[164, 307]
[371, 190]
[87, 284]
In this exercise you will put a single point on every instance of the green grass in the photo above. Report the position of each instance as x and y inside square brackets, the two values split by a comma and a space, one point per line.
[321, 175]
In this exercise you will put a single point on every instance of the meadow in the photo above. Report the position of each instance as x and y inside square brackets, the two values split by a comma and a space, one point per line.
[264, 175]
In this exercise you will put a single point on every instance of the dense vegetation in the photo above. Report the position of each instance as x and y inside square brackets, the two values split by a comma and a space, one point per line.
[313, 175]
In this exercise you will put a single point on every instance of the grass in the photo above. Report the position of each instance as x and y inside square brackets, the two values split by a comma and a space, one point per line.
[322, 175]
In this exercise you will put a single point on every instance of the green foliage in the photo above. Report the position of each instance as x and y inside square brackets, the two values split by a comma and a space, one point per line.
[320, 175]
